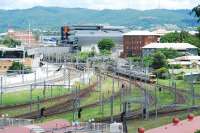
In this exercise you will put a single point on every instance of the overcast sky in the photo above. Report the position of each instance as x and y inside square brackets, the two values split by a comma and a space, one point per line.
[101, 4]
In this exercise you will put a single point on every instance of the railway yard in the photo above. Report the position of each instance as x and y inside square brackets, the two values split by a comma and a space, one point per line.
[103, 98]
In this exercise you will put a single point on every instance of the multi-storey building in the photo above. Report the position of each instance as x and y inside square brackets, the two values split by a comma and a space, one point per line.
[27, 38]
[134, 41]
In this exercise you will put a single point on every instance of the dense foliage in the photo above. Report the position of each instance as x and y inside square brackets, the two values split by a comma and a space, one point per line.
[83, 56]
[46, 18]
[18, 67]
[196, 11]
[170, 53]
[105, 45]
[198, 131]
[161, 72]
[182, 37]
[9, 42]
[158, 60]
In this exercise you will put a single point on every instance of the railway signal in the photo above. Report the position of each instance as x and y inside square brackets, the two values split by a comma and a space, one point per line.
[42, 110]
[79, 113]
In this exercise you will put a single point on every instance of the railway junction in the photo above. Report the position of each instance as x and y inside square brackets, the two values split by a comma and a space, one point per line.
[98, 93]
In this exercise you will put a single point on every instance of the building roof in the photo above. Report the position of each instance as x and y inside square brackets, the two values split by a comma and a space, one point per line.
[98, 33]
[180, 63]
[189, 58]
[141, 33]
[176, 46]
[185, 126]
[162, 31]
[3, 48]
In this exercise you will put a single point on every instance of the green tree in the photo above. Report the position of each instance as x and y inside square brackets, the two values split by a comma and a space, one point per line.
[161, 72]
[198, 131]
[11, 43]
[148, 60]
[159, 60]
[182, 37]
[170, 53]
[175, 37]
[82, 56]
[106, 44]
[196, 11]
[19, 67]
[198, 29]
[16, 66]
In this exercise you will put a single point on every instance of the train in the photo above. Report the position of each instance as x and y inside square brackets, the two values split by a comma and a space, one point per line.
[135, 74]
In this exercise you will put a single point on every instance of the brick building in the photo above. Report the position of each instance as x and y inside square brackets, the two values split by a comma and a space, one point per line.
[134, 41]
[27, 38]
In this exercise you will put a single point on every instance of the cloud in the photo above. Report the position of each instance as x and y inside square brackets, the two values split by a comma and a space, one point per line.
[101, 4]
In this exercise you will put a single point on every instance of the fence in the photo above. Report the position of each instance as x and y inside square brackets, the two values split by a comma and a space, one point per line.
[4, 122]
[82, 127]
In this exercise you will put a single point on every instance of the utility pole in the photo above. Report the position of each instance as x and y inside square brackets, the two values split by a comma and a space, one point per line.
[69, 77]
[35, 80]
[44, 90]
[65, 72]
[146, 98]
[23, 61]
[156, 109]
[193, 94]
[112, 97]
[31, 90]
[38, 103]
[47, 69]
[1, 90]
[76, 103]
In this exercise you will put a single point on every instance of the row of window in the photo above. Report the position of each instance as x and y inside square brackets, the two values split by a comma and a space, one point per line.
[133, 48]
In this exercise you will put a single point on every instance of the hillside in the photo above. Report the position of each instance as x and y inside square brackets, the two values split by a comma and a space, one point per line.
[54, 17]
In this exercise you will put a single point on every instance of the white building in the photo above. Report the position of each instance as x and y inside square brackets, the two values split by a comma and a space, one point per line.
[185, 48]
[186, 61]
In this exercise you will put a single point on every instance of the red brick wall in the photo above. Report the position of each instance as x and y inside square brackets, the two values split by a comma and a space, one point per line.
[133, 44]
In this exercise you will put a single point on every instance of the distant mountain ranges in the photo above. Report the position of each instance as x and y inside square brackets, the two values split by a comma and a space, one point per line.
[54, 17]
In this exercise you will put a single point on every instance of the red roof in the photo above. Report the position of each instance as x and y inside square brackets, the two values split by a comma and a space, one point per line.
[185, 126]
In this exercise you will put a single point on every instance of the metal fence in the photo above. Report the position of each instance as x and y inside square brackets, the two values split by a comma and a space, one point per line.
[4, 122]
[79, 128]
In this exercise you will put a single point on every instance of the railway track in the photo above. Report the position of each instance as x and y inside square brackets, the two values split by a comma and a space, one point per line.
[180, 96]
[160, 112]
[65, 106]
[58, 108]
[43, 101]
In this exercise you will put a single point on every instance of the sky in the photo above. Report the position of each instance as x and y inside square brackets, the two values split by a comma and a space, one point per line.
[101, 4]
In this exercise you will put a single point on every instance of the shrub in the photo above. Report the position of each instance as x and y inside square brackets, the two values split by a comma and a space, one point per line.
[161, 72]
[198, 131]
[179, 77]
[106, 44]
[177, 66]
